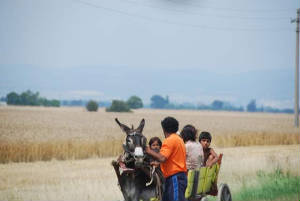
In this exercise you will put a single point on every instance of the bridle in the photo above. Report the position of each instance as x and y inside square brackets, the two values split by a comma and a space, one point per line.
[134, 147]
[135, 143]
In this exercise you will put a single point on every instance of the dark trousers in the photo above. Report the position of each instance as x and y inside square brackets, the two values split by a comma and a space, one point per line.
[175, 187]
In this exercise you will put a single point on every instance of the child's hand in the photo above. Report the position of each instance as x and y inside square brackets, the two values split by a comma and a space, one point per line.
[154, 163]
[209, 165]
[147, 149]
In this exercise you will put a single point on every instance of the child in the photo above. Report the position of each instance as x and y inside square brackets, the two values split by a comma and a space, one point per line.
[194, 150]
[210, 156]
[155, 144]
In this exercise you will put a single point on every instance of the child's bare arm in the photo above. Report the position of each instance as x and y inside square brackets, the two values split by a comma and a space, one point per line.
[214, 159]
[155, 163]
[157, 156]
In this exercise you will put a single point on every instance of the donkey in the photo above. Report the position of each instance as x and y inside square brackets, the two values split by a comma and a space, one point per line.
[137, 179]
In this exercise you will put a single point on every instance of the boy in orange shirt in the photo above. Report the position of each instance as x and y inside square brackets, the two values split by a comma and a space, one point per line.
[172, 156]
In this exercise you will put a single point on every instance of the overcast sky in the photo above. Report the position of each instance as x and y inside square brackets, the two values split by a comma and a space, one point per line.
[192, 50]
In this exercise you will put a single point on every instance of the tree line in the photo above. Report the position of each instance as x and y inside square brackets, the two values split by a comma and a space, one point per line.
[134, 102]
[159, 102]
[30, 98]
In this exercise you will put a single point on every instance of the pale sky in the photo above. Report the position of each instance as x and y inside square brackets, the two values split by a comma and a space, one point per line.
[191, 50]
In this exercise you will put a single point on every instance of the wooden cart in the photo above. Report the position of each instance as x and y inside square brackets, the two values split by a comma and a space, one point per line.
[203, 181]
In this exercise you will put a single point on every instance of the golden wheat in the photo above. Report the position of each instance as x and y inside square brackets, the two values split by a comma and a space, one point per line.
[60, 150]
[39, 133]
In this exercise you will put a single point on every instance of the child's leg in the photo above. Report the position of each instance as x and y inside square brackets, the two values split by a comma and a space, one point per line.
[214, 187]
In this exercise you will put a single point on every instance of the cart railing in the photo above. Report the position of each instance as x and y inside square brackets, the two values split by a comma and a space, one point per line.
[201, 180]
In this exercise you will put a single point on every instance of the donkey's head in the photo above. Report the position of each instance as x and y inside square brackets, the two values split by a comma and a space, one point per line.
[135, 142]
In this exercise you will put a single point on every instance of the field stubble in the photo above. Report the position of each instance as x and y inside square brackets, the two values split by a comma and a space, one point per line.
[38, 133]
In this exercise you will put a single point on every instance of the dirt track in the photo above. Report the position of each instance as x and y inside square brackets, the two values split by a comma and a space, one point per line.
[94, 179]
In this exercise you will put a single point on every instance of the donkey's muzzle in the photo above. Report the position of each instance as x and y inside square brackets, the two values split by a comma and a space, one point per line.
[139, 156]
[138, 152]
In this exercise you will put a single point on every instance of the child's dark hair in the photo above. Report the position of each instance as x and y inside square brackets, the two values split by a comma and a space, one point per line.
[188, 133]
[205, 135]
[170, 125]
[153, 139]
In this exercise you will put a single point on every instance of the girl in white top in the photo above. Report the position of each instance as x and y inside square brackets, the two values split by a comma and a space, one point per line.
[194, 150]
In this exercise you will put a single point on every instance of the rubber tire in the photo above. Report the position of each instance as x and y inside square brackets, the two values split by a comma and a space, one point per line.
[224, 193]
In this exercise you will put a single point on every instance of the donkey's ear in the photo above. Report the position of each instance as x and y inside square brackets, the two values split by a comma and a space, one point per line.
[141, 126]
[123, 127]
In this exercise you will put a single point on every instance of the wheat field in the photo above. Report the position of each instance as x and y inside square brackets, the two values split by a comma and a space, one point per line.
[39, 133]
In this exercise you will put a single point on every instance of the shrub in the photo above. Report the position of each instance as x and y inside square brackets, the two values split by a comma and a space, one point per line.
[135, 102]
[118, 106]
[92, 106]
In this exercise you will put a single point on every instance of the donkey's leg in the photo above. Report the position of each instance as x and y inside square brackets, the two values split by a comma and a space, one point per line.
[149, 194]
[130, 187]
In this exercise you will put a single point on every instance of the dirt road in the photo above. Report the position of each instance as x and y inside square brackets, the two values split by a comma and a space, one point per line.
[94, 179]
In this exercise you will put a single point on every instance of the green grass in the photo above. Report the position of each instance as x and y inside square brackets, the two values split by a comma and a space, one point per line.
[275, 186]
[271, 186]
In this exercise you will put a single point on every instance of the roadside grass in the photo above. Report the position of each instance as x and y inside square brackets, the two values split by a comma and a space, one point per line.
[275, 186]
[271, 186]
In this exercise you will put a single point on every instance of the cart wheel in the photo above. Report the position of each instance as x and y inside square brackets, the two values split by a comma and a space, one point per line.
[204, 199]
[224, 193]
